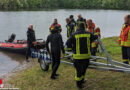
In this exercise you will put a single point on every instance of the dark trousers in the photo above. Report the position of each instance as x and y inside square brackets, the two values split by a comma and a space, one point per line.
[81, 67]
[126, 54]
[93, 51]
[28, 51]
[55, 62]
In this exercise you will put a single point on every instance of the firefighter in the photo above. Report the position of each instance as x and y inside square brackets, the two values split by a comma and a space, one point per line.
[31, 40]
[80, 42]
[55, 23]
[55, 39]
[124, 40]
[96, 31]
[80, 20]
[70, 28]
[73, 22]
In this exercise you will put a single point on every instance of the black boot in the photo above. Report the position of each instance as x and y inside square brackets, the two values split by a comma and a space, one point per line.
[83, 81]
[79, 84]
[53, 77]
[126, 62]
[56, 75]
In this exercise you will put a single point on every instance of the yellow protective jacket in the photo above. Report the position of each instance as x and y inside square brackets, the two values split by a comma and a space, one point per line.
[124, 38]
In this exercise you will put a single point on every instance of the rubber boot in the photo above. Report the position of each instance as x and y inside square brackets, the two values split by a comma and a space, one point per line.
[56, 75]
[79, 84]
[126, 62]
[83, 81]
[53, 77]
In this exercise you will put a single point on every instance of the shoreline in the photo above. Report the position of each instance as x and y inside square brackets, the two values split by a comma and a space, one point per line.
[55, 9]
[21, 67]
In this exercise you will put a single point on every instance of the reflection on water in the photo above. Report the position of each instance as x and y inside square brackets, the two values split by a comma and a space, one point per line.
[9, 61]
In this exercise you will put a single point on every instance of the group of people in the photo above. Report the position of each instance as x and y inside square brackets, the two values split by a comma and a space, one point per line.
[80, 35]
[81, 40]
[72, 27]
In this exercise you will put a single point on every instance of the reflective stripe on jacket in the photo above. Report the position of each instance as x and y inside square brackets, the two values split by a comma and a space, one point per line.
[79, 54]
[82, 20]
[80, 43]
[124, 38]
[95, 31]
[70, 29]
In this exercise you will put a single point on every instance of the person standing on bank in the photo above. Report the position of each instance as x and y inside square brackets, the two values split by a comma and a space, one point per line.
[70, 28]
[81, 20]
[55, 39]
[80, 42]
[72, 20]
[96, 31]
[31, 40]
[124, 40]
[55, 23]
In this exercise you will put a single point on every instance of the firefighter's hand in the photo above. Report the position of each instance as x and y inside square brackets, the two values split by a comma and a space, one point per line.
[34, 43]
[63, 55]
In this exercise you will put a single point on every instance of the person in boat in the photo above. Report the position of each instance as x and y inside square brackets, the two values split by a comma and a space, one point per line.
[55, 23]
[72, 20]
[31, 40]
[80, 20]
[70, 28]
[55, 39]
[11, 38]
[124, 39]
[80, 42]
[96, 31]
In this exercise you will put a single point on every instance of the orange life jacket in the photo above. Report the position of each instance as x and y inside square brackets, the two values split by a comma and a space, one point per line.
[52, 26]
[124, 38]
[95, 31]
[91, 29]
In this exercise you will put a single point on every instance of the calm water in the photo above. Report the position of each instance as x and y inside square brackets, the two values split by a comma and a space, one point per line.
[6, 64]
[110, 22]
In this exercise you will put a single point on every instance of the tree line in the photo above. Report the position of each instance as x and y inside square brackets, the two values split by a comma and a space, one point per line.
[73, 4]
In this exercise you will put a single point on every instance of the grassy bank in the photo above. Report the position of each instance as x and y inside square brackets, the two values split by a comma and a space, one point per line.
[35, 79]
[80, 4]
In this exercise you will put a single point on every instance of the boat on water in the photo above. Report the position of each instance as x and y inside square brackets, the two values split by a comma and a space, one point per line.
[19, 46]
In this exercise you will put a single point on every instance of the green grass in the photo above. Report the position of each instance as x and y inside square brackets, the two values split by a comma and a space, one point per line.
[35, 79]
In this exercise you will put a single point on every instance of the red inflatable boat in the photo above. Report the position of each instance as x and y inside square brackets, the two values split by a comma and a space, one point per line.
[18, 46]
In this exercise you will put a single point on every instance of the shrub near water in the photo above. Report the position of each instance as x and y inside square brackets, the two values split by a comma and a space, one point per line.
[80, 4]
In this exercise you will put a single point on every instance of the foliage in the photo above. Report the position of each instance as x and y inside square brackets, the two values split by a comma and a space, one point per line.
[81, 4]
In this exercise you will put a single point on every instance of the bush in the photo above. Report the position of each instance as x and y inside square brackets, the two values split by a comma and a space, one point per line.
[81, 4]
